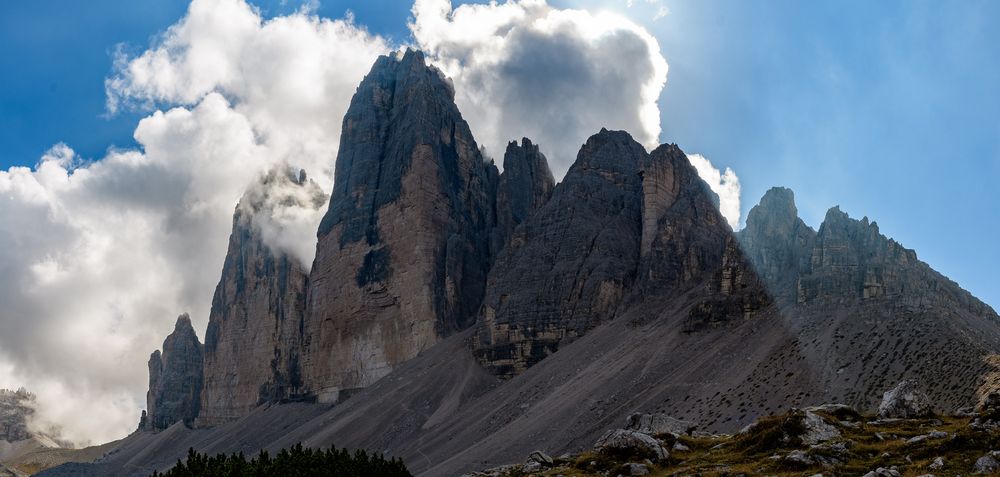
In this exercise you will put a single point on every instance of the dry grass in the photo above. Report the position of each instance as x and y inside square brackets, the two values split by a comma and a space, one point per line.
[761, 451]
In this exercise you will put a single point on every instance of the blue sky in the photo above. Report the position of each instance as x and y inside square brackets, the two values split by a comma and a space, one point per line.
[889, 109]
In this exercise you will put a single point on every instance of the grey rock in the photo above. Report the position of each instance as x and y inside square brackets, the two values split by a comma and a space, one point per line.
[904, 401]
[798, 458]
[637, 469]
[405, 246]
[777, 241]
[16, 408]
[568, 265]
[526, 184]
[989, 408]
[817, 430]
[659, 424]
[541, 458]
[175, 378]
[626, 441]
[253, 344]
[937, 464]
[986, 464]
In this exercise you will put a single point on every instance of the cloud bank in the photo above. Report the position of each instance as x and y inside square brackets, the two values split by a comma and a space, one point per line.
[525, 69]
[98, 257]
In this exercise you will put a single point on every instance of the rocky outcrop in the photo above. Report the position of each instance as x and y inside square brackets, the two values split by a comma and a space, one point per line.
[777, 242]
[525, 186]
[175, 378]
[404, 248]
[687, 245]
[654, 424]
[905, 400]
[253, 345]
[567, 266]
[16, 407]
[621, 442]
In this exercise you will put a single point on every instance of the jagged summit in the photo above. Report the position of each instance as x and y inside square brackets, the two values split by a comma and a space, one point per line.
[568, 264]
[175, 378]
[525, 186]
[405, 246]
[253, 344]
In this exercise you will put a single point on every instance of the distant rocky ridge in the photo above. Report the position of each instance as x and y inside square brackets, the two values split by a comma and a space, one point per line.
[452, 310]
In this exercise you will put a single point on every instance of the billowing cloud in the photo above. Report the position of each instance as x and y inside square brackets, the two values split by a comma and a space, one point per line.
[557, 76]
[97, 257]
[725, 184]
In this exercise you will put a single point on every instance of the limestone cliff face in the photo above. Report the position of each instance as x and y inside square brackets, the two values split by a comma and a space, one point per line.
[848, 261]
[16, 407]
[525, 186]
[404, 248]
[566, 267]
[253, 344]
[687, 247]
[175, 378]
[778, 242]
[625, 232]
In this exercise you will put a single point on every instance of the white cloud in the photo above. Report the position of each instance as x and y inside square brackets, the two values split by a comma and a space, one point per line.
[557, 76]
[97, 258]
[725, 184]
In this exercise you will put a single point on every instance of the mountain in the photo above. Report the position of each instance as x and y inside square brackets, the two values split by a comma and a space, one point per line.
[253, 345]
[404, 248]
[15, 410]
[460, 318]
[176, 376]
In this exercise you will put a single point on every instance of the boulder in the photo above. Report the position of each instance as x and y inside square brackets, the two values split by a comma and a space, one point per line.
[986, 464]
[637, 469]
[816, 429]
[797, 458]
[631, 443]
[904, 401]
[990, 407]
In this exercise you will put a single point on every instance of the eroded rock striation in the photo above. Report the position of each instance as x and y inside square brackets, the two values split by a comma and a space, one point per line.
[253, 345]
[624, 231]
[525, 186]
[404, 248]
[175, 378]
[567, 266]
[16, 407]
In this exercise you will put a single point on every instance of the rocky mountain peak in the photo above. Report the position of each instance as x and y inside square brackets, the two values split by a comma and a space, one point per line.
[405, 245]
[568, 265]
[525, 185]
[175, 378]
[255, 327]
[777, 241]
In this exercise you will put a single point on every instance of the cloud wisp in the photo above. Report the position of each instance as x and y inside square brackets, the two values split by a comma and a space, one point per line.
[725, 184]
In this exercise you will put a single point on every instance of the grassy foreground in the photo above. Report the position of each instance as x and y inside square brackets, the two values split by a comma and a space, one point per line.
[774, 447]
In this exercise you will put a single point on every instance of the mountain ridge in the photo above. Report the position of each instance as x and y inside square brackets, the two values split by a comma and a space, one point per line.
[459, 317]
